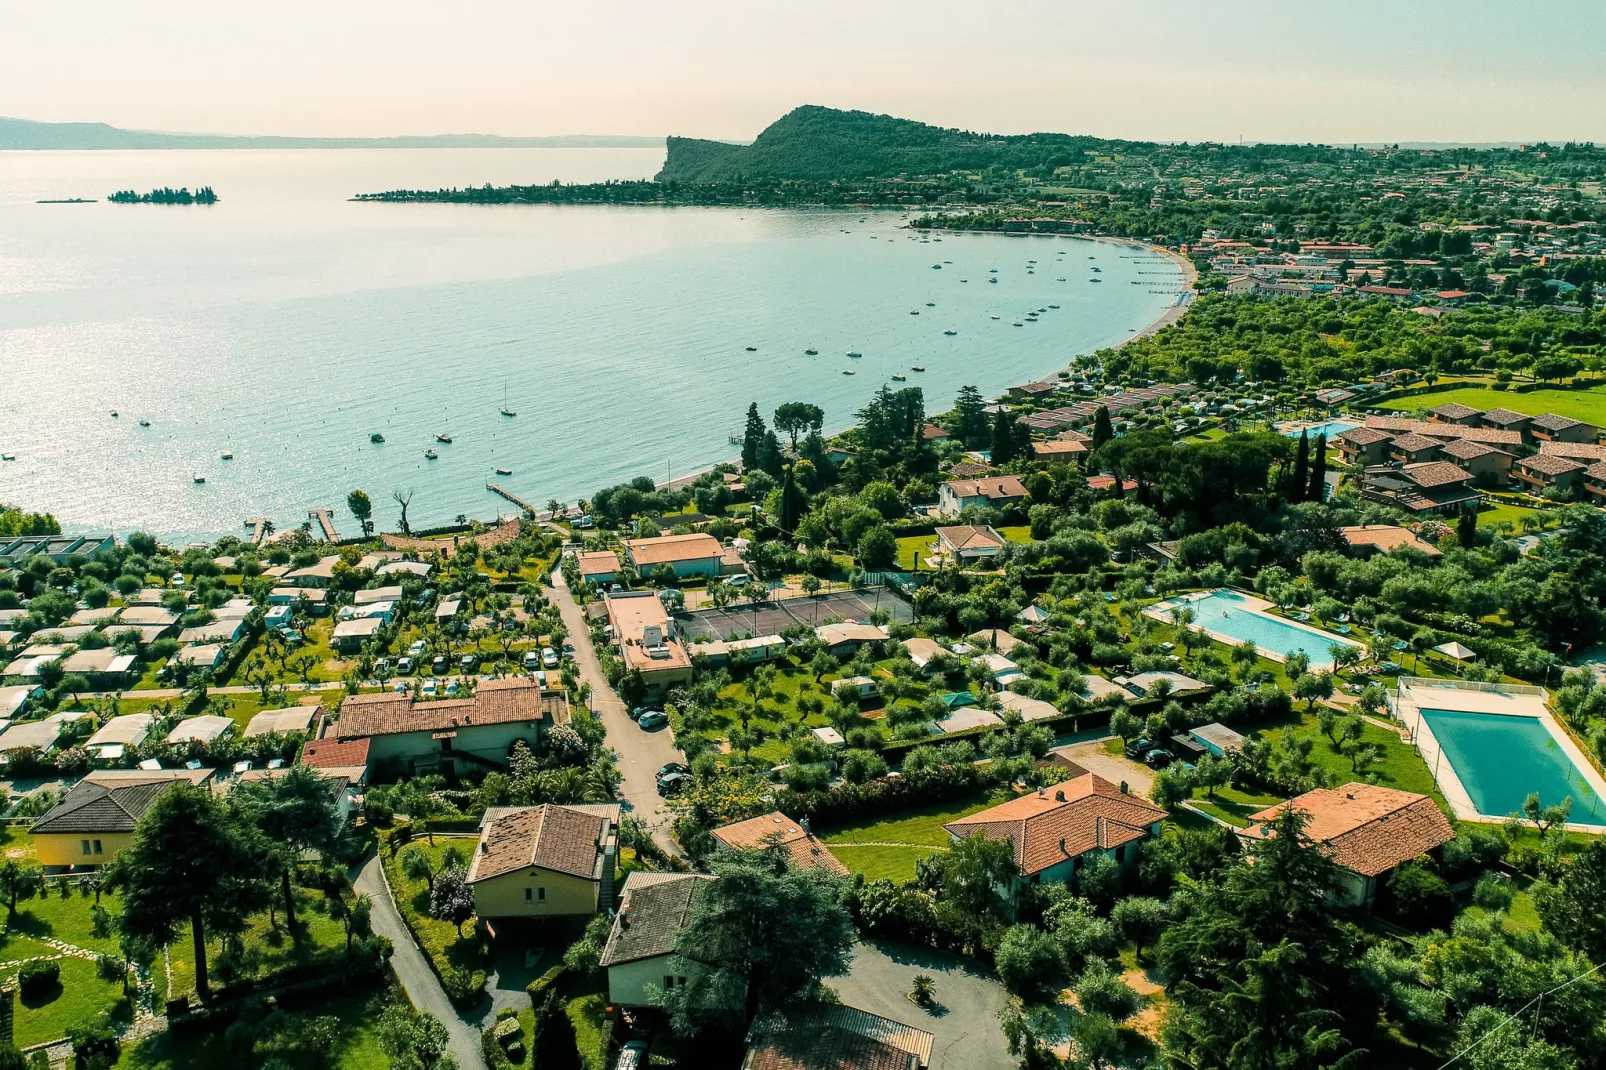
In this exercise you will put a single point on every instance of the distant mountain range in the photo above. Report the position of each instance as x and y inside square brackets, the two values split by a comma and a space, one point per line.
[27, 134]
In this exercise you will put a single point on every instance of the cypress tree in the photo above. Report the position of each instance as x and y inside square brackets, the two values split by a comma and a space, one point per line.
[1318, 471]
[1103, 431]
[1466, 529]
[791, 503]
[1003, 448]
[1301, 470]
[752, 437]
[770, 457]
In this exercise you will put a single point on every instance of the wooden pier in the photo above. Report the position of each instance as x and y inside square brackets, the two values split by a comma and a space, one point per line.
[497, 488]
[325, 519]
[259, 529]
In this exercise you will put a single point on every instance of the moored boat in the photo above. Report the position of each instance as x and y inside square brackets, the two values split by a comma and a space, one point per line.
[950, 334]
[376, 437]
[198, 478]
[917, 367]
[504, 471]
[811, 352]
[430, 454]
[900, 377]
[444, 437]
[854, 354]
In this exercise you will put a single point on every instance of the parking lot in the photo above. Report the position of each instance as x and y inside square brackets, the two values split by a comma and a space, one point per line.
[770, 618]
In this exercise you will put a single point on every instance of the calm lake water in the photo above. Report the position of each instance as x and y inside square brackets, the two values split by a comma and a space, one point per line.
[285, 324]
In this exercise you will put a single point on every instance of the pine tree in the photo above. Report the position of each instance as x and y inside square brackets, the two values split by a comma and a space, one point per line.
[1003, 446]
[971, 411]
[1103, 431]
[752, 438]
[770, 457]
[1318, 471]
[1301, 470]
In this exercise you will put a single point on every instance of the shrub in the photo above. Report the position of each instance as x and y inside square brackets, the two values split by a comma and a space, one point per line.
[1029, 960]
[1420, 897]
[38, 979]
[462, 987]
[537, 988]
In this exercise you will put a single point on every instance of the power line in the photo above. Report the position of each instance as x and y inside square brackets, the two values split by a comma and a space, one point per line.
[1518, 1013]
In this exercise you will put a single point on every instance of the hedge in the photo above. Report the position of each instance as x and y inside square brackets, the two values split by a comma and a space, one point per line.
[847, 802]
[537, 988]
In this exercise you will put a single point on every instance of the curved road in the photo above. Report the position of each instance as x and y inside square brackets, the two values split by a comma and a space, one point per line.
[412, 970]
[641, 754]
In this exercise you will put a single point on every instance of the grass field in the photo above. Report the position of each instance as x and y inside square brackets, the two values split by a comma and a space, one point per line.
[884, 863]
[891, 847]
[357, 1047]
[1588, 405]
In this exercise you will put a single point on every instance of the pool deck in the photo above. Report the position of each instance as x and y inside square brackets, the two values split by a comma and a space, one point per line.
[1161, 611]
[1416, 693]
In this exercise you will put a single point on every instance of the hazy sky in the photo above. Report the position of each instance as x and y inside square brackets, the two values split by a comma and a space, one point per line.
[1366, 70]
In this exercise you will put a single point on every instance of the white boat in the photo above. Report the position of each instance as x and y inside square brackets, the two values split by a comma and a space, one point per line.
[443, 437]
[505, 410]
[849, 371]
[8, 456]
[851, 353]
[504, 471]
[430, 455]
[225, 456]
[199, 478]
[899, 378]
[950, 334]
[144, 423]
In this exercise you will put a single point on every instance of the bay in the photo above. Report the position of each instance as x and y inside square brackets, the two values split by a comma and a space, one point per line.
[286, 324]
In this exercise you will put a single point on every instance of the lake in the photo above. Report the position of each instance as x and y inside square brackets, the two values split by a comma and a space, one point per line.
[285, 324]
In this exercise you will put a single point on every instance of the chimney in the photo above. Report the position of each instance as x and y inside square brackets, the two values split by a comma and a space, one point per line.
[1059, 796]
[1062, 845]
[1042, 793]
[624, 919]
[485, 847]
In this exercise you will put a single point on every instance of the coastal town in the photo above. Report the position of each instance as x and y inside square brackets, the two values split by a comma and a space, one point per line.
[1231, 697]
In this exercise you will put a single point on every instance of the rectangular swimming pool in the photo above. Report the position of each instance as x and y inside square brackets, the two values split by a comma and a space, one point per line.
[1229, 613]
[1332, 429]
[1501, 760]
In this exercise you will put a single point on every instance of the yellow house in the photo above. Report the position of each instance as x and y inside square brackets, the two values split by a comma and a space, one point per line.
[545, 861]
[97, 818]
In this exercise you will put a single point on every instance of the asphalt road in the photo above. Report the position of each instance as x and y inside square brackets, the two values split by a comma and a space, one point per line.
[412, 970]
[641, 754]
[965, 1027]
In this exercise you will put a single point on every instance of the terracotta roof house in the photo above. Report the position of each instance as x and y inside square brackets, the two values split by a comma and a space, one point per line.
[641, 628]
[1412, 448]
[696, 554]
[1542, 471]
[964, 543]
[1367, 445]
[1366, 828]
[1428, 487]
[994, 492]
[1058, 450]
[545, 861]
[1553, 428]
[348, 757]
[1055, 830]
[932, 433]
[640, 953]
[1506, 420]
[818, 1036]
[1487, 464]
[776, 829]
[1385, 538]
[1576, 451]
[1456, 413]
[597, 566]
[1594, 483]
[969, 470]
[433, 733]
[96, 819]
[845, 637]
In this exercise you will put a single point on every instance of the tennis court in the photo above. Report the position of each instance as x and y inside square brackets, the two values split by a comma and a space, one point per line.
[742, 621]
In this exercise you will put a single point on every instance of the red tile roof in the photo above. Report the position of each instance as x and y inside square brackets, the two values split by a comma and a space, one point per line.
[1047, 829]
[1366, 828]
[550, 837]
[335, 753]
[777, 828]
[1436, 473]
[494, 702]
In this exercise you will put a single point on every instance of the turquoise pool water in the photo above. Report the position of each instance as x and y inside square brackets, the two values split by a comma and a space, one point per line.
[1332, 429]
[1502, 760]
[1228, 613]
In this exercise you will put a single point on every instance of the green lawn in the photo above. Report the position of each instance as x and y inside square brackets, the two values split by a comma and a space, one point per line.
[1493, 514]
[439, 939]
[911, 547]
[1234, 806]
[587, 1002]
[1588, 405]
[1401, 766]
[889, 863]
[357, 1049]
[80, 997]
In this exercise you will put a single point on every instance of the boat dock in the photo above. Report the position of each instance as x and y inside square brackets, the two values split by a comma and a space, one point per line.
[497, 488]
[325, 519]
[259, 529]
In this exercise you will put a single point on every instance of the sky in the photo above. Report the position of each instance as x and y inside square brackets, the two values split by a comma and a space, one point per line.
[1364, 70]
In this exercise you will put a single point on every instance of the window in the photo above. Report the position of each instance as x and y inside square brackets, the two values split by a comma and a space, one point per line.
[97, 847]
[681, 981]
[85, 845]
[529, 895]
[540, 895]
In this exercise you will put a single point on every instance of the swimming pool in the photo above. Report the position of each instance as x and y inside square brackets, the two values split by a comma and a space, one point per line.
[1332, 429]
[1501, 760]
[1235, 616]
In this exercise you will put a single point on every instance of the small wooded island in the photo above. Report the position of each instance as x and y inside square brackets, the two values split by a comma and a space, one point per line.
[165, 195]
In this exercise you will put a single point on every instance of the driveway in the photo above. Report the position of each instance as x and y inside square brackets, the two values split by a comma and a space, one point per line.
[412, 970]
[641, 754]
[1115, 768]
[965, 1027]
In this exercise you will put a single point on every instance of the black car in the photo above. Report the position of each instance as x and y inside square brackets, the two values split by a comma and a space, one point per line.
[635, 712]
[674, 783]
[1158, 758]
[672, 767]
[1139, 747]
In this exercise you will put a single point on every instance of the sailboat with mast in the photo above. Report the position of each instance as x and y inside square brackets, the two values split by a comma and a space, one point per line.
[505, 410]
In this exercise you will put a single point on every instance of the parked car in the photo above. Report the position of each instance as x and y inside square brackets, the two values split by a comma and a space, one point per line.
[406, 666]
[1158, 758]
[549, 658]
[452, 688]
[176, 579]
[741, 579]
[633, 1056]
[431, 687]
[674, 783]
[416, 648]
[672, 767]
[532, 661]
[637, 711]
[1139, 747]
[468, 662]
[653, 719]
[438, 666]
[568, 650]
[381, 666]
